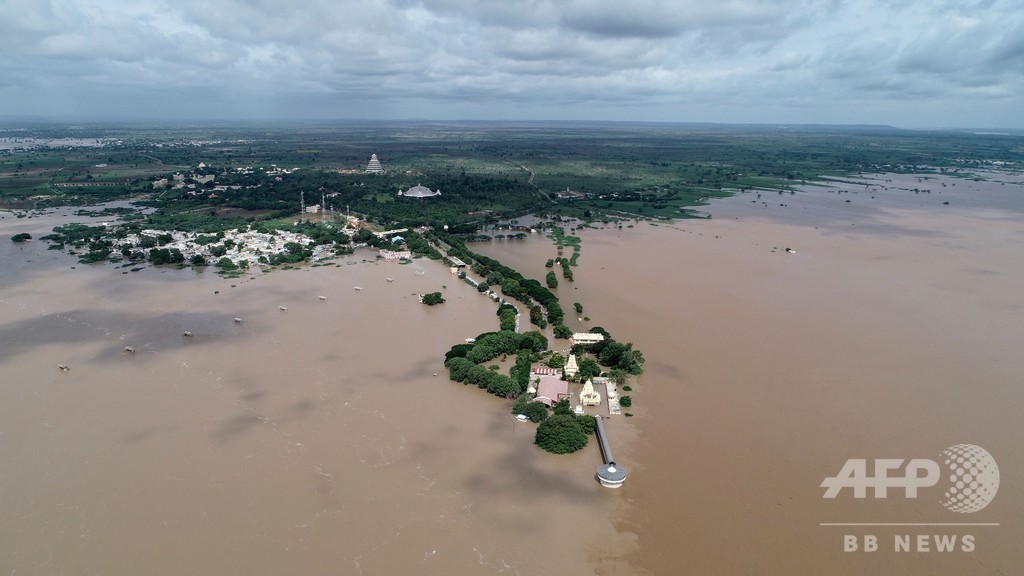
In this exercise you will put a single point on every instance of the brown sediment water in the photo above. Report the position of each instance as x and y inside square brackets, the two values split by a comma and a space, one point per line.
[312, 440]
[316, 440]
[892, 329]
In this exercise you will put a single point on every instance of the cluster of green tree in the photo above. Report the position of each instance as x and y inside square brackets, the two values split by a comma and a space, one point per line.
[465, 371]
[77, 235]
[294, 252]
[566, 270]
[535, 411]
[21, 237]
[486, 238]
[226, 265]
[513, 284]
[172, 216]
[376, 195]
[551, 280]
[623, 357]
[463, 361]
[561, 239]
[537, 317]
[417, 244]
[556, 360]
[589, 369]
[433, 298]
[613, 354]
[507, 315]
[567, 432]
[457, 351]
[453, 245]
[166, 256]
[561, 434]
[520, 372]
[490, 345]
[562, 332]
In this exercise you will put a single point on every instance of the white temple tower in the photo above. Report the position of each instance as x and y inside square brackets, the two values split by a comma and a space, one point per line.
[374, 167]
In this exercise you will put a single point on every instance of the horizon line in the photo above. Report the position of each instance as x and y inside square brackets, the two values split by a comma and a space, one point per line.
[60, 118]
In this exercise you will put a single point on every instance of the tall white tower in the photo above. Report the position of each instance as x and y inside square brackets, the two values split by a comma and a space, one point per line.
[374, 166]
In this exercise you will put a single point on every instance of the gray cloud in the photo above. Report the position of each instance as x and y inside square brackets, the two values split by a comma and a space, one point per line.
[859, 61]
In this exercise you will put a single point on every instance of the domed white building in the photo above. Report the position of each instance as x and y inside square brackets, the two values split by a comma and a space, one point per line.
[419, 192]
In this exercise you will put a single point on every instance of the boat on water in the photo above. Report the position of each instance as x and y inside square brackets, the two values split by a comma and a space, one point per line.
[522, 417]
[358, 288]
[470, 340]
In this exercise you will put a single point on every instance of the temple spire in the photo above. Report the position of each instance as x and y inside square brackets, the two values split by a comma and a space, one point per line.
[374, 167]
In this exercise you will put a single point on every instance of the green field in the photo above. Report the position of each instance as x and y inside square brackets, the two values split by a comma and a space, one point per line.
[487, 171]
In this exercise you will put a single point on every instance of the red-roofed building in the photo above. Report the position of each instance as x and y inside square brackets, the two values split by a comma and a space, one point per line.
[551, 390]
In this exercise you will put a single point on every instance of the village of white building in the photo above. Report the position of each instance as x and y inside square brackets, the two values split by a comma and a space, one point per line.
[249, 245]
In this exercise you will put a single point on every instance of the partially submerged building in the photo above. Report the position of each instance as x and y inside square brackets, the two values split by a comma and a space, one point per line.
[551, 390]
[586, 338]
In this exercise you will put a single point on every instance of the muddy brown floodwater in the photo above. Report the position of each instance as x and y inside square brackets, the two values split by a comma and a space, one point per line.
[317, 440]
[893, 330]
[314, 440]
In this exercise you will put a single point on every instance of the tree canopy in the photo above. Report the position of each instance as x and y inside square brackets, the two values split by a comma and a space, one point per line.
[433, 298]
[560, 434]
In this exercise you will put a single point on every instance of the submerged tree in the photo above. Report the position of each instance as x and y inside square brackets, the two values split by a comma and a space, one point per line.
[560, 434]
[433, 298]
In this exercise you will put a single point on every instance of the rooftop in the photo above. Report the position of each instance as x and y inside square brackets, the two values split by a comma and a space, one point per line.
[419, 192]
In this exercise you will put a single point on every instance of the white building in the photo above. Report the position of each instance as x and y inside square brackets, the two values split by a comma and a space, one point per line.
[589, 396]
[586, 338]
[374, 167]
[571, 367]
[419, 191]
[396, 254]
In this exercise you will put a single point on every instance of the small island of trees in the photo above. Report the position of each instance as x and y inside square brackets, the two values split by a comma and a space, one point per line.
[433, 299]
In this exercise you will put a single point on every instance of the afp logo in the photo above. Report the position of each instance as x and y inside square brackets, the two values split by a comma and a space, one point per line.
[970, 473]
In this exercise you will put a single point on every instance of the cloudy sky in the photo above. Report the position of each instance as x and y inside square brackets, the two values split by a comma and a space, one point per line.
[908, 63]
